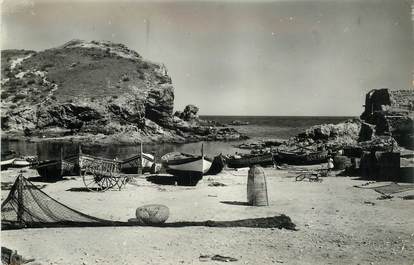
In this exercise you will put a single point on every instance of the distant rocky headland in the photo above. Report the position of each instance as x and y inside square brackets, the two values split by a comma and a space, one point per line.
[97, 92]
[386, 124]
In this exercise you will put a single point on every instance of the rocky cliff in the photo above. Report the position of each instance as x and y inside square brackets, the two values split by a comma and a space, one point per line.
[94, 90]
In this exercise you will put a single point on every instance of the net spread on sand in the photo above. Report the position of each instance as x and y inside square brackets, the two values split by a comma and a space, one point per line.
[26, 206]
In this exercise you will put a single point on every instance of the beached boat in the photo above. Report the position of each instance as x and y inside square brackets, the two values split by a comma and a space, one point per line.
[130, 165]
[55, 169]
[301, 157]
[250, 160]
[23, 162]
[7, 159]
[189, 168]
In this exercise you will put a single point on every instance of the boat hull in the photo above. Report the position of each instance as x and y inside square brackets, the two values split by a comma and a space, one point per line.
[6, 163]
[130, 165]
[21, 163]
[7, 159]
[262, 160]
[189, 170]
[55, 169]
[301, 158]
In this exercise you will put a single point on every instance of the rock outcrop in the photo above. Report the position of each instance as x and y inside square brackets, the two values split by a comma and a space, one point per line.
[391, 112]
[93, 88]
[332, 137]
[190, 113]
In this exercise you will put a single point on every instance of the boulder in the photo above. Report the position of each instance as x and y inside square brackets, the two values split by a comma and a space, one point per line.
[322, 132]
[152, 214]
[190, 113]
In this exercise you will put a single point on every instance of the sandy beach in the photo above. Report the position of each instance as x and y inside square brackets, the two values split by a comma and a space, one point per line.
[337, 223]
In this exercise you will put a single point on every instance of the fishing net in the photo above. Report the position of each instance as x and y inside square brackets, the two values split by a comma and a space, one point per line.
[28, 206]
[390, 188]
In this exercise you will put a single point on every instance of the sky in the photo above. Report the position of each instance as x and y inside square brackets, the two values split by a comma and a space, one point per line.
[278, 58]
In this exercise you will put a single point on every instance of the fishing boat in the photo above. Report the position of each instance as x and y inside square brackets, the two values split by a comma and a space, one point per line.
[23, 161]
[301, 157]
[55, 169]
[250, 160]
[7, 159]
[188, 167]
[130, 165]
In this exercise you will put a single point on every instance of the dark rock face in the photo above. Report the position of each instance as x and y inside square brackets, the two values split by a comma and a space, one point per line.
[159, 105]
[391, 113]
[367, 131]
[376, 100]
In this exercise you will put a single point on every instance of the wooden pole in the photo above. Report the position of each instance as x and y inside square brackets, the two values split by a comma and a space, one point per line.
[140, 159]
[20, 209]
[202, 149]
[80, 159]
[202, 159]
[61, 161]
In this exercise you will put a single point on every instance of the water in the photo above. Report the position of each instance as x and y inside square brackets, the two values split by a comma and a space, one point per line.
[260, 127]
[276, 127]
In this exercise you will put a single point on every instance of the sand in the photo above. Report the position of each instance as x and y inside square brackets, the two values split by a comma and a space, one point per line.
[337, 224]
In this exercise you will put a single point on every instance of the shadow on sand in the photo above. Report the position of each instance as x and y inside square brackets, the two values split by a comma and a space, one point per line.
[83, 189]
[45, 180]
[236, 203]
[161, 179]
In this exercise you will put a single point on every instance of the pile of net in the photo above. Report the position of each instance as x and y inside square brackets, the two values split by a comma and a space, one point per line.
[26, 206]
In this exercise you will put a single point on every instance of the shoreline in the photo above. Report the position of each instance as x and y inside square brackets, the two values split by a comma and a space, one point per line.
[117, 139]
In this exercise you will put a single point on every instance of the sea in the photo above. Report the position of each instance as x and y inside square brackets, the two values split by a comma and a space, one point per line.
[258, 128]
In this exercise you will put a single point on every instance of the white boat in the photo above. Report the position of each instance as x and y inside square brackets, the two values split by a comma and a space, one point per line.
[7, 162]
[189, 168]
[7, 159]
[196, 165]
[21, 162]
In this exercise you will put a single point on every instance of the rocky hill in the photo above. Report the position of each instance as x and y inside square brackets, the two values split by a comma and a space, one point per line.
[98, 91]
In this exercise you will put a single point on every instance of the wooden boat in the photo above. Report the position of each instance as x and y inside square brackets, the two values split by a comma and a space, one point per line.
[22, 162]
[249, 160]
[55, 169]
[130, 165]
[189, 168]
[302, 157]
[7, 159]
